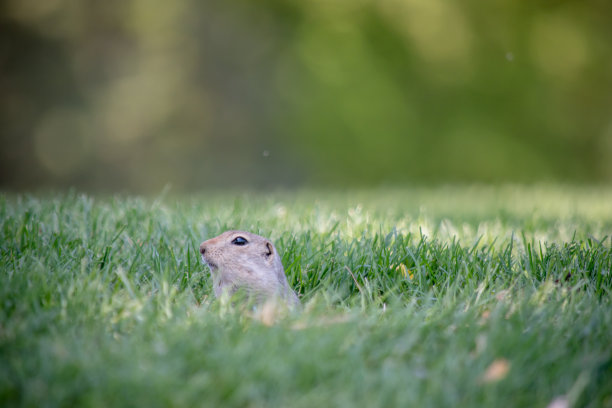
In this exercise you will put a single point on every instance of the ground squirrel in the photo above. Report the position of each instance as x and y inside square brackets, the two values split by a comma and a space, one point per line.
[241, 260]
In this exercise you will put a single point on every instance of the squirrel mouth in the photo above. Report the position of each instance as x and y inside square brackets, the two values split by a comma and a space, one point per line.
[210, 264]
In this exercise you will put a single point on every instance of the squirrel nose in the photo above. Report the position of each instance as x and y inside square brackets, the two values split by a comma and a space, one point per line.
[202, 249]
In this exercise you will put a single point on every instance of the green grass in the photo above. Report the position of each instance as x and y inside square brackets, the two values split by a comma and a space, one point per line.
[409, 297]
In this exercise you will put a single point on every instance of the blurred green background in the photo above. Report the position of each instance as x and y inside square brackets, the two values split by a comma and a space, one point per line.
[137, 94]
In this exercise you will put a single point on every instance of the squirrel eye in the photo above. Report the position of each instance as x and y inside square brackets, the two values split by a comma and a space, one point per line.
[239, 241]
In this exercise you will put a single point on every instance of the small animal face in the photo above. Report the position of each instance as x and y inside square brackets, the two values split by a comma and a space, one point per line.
[237, 249]
[240, 259]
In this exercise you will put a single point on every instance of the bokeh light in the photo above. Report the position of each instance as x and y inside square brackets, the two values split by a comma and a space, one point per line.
[136, 95]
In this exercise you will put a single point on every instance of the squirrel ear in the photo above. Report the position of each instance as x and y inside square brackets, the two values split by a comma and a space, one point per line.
[269, 249]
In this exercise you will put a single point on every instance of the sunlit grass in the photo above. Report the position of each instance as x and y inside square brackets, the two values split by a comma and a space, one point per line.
[451, 296]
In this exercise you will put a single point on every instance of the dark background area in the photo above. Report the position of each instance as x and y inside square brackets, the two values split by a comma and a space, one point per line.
[136, 94]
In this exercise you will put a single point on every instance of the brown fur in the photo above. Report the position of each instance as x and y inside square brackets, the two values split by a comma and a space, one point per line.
[254, 267]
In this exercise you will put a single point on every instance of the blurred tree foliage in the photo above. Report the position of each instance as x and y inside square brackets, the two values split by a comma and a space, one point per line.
[135, 94]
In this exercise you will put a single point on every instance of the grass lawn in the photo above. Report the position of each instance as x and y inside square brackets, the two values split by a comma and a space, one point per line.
[421, 297]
